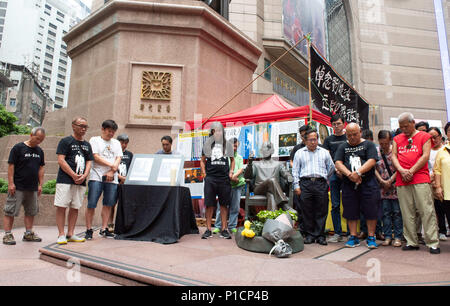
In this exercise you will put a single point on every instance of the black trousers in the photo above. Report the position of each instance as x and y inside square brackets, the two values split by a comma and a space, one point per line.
[314, 206]
[442, 211]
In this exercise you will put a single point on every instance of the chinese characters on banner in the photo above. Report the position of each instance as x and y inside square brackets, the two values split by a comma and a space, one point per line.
[331, 95]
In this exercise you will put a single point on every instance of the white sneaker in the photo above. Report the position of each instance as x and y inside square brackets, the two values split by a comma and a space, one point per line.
[442, 237]
[336, 238]
[75, 238]
[61, 240]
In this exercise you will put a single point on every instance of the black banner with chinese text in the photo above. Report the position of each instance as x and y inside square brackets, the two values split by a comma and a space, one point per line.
[331, 94]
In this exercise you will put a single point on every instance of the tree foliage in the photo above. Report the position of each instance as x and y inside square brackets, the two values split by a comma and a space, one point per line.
[8, 126]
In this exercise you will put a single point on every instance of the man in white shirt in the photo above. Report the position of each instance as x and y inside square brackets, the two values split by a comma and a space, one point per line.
[312, 167]
[103, 177]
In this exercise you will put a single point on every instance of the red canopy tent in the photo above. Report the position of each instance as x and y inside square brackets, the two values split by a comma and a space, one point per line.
[272, 109]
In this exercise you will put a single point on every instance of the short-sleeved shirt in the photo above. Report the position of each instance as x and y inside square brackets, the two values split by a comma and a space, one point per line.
[27, 161]
[109, 151]
[77, 153]
[354, 157]
[442, 168]
[381, 167]
[125, 163]
[171, 152]
[332, 143]
[408, 157]
[238, 164]
[217, 162]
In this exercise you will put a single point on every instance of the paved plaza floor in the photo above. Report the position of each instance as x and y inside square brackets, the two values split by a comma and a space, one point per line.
[213, 262]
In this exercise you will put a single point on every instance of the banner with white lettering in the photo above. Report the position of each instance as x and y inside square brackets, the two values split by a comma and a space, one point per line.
[331, 94]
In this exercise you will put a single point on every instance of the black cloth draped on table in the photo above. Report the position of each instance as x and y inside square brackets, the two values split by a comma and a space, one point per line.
[154, 213]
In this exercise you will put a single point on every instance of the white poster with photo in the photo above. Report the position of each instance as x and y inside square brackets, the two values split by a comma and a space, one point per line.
[141, 169]
[284, 136]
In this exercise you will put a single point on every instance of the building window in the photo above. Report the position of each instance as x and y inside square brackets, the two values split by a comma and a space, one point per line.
[12, 102]
[268, 73]
[339, 51]
[51, 25]
[3, 4]
[52, 33]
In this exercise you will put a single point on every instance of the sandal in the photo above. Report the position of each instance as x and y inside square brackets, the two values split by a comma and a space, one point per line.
[397, 242]
[386, 242]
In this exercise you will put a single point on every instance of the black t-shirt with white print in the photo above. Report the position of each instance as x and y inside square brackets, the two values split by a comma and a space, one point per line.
[125, 163]
[354, 157]
[77, 153]
[27, 162]
[217, 161]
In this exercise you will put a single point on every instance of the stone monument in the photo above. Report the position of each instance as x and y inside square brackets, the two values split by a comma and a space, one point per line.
[151, 64]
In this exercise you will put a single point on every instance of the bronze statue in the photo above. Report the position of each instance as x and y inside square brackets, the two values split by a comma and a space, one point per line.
[267, 173]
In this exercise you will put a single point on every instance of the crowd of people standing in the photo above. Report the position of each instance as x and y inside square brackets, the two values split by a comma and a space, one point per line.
[397, 190]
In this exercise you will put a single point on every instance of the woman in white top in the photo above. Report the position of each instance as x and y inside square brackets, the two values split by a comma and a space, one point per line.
[437, 145]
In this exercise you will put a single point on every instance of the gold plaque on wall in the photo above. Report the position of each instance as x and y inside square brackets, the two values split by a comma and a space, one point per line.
[156, 85]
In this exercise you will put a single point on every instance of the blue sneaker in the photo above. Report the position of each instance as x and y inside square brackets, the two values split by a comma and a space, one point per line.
[371, 242]
[352, 242]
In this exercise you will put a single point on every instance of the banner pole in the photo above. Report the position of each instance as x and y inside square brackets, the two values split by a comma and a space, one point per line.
[308, 38]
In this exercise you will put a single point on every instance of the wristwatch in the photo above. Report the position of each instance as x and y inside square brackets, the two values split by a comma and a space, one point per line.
[359, 173]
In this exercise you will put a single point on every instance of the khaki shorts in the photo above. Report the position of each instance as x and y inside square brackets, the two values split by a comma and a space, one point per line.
[26, 198]
[69, 195]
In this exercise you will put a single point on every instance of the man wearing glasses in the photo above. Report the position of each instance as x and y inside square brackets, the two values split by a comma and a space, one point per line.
[312, 167]
[410, 154]
[74, 159]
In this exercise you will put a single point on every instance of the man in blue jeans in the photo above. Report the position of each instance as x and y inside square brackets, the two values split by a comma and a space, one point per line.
[332, 143]
[103, 177]
[237, 188]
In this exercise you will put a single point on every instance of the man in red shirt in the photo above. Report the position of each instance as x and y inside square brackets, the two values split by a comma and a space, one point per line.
[411, 151]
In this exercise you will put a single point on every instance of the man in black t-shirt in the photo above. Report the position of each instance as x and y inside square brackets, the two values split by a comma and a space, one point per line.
[124, 165]
[332, 143]
[356, 160]
[75, 160]
[25, 179]
[217, 165]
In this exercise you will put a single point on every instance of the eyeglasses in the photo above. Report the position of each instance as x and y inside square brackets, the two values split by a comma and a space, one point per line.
[83, 126]
[410, 141]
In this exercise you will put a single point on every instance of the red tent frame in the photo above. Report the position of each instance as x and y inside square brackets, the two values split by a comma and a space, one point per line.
[270, 110]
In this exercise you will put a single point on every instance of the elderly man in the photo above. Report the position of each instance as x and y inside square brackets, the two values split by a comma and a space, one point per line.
[25, 179]
[356, 160]
[75, 160]
[267, 173]
[411, 151]
[313, 166]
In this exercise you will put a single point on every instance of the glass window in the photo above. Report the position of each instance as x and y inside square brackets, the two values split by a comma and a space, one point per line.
[339, 51]
[268, 73]
[12, 102]
[2, 13]
[3, 4]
